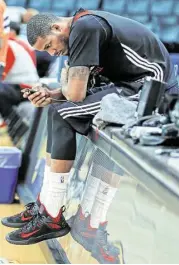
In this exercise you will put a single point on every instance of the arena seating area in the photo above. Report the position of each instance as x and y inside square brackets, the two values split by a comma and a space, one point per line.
[161, 16]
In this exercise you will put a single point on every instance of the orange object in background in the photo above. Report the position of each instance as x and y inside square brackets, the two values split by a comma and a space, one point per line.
[4, 32]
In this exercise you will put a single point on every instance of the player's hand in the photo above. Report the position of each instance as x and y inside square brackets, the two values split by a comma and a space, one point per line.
[41, 98]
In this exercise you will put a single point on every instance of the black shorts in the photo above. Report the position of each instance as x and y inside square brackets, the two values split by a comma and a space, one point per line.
[80, 114]
[65, 119]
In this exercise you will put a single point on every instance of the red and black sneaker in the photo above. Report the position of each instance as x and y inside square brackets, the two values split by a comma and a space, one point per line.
[105, 252]
[41, 227]
[81, 231]
[19, 220]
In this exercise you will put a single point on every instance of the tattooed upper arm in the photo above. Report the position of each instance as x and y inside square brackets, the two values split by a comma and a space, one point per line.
[79, 72]
[77, 83]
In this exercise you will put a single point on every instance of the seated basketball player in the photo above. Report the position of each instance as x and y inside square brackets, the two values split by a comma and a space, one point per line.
[100, 46]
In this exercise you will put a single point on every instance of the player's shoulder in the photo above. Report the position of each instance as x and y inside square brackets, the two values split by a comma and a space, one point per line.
[84, 23]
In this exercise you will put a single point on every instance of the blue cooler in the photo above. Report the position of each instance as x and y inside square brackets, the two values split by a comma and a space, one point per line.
[10, 161]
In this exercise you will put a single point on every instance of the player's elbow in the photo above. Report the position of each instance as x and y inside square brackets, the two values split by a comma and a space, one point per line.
[74, 97]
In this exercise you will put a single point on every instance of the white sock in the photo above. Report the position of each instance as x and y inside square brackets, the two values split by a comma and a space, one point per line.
[56, 192]
[103, 200]
[89, 194]
[45, 185]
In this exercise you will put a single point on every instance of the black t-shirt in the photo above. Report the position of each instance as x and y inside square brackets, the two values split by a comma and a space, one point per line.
[89, 38]
[124, 50]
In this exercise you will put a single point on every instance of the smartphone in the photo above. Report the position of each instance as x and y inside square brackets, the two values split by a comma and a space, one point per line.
[29, 91]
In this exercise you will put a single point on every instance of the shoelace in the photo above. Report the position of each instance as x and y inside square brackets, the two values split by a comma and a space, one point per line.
[37, 220]
[103, 239]
[28, 208]
[29, 205]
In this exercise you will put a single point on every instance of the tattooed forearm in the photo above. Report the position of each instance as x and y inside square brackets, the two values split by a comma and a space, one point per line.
[79, 72]
[75, 89]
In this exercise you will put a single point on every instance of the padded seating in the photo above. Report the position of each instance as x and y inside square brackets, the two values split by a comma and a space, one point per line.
[176, 7]
[61, 13]
[63, 5]
[114, 6]
[161, 7]
[16, 3]
[168, 20]
[142, 19]
[40, 5]
[87, 4]
[150, 26]
[138, 7]
[72, 12]
[169, 33]
[162, 22]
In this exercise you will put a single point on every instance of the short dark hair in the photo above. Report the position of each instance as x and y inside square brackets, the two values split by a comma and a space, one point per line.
[40, 26]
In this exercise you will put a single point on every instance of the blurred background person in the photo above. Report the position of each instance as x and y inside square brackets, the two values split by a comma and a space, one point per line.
[4, 35]
[28, 14]
[20, 72]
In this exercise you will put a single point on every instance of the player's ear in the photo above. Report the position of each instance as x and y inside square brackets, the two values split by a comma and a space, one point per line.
[56, 27]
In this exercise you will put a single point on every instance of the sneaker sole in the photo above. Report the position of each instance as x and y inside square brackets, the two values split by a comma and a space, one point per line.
[38, 239]
[120, 256]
